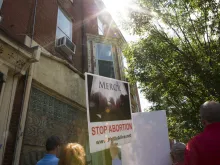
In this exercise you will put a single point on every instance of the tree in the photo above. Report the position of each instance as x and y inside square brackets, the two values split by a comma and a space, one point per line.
[178, 61]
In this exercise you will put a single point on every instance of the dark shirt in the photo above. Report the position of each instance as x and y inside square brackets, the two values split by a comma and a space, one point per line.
[204, 149]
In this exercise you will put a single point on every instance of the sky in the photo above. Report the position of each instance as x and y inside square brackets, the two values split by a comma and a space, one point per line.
[119, 11]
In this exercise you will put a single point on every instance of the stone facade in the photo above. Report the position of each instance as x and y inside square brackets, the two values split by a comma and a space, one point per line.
[14, 61]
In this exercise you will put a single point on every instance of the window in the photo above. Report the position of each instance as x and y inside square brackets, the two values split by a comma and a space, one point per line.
[104, 60]
[1, 1]
[64, 26]
[100, 27]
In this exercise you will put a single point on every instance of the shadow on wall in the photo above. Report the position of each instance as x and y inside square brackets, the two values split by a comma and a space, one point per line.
[32, 157]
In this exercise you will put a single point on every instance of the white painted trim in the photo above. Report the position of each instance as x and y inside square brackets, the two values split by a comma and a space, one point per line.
[3, 68]
[9, 42]
[97, 60]
[8, 94]
[70, 21]
[6, 109]
[2, 91]
[23, 117]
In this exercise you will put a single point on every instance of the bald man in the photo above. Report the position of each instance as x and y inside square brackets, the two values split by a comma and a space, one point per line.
[204, 149]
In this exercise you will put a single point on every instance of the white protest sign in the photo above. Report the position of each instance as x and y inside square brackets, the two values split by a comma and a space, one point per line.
[108, 112]
[151, 143]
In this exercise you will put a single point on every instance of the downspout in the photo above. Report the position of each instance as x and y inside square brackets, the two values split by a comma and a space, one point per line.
[34, 22]
[83, 40]
[28, 83]
[84, 68]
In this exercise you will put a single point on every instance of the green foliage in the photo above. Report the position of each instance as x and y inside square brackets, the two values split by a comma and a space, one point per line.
[178, 63]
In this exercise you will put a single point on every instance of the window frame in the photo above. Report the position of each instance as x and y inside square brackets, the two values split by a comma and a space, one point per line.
[100, 29]
[70, 21]
[1, 2]
[97, 59]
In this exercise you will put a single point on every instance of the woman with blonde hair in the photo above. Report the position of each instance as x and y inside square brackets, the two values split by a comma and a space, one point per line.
[72, 154]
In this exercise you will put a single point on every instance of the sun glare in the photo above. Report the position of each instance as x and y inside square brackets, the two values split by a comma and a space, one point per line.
[119, 9]
[116, 7]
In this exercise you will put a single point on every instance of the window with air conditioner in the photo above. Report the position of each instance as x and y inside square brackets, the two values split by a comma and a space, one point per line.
[105, 60]
[64, 26]
[64, 44]
[100, 26]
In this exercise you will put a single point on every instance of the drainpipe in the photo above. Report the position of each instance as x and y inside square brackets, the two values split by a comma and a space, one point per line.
[36, 55]
[34, 22]
[84, 46]
[20, 133]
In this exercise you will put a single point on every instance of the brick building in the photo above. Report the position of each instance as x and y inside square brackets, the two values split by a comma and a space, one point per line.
[46, 46]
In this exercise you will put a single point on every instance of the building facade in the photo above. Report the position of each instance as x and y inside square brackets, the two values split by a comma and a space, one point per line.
[45, 49]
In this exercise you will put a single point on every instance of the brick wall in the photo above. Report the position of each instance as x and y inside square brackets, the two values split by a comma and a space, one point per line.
[46, 22]
[90, 15]
[92, 11]
[13, 127]
[18, 22]
[17, 18]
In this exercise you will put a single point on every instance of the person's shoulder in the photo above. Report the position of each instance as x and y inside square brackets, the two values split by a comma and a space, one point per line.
[56, 159]
[198, 136]
[195, 139]
[40, 162]
[53, 161]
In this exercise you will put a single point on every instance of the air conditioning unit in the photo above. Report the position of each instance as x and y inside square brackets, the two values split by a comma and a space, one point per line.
[65, 46]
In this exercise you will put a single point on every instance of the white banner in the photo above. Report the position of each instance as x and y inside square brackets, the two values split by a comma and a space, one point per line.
[151, 145]
[108, 112]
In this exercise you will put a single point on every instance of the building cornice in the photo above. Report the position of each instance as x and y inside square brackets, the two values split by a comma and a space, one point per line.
[16, 57]
[106, 39]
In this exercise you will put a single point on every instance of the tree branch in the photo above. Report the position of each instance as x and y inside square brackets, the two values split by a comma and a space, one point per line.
[184, 34]
[193, 25]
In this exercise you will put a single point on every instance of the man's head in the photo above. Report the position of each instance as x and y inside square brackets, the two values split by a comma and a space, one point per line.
[210, 112]
[52, 145]
[177, 152]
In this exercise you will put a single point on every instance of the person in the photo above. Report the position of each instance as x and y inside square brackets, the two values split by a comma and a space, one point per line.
[204, 148]
[177, 153]
[114, 151]
[72, 154]
[52, 146]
